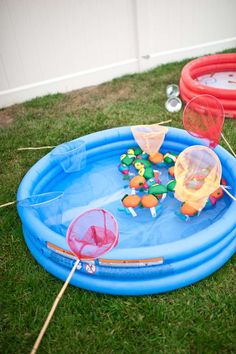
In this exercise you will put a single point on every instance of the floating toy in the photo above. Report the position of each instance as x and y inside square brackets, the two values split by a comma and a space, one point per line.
[213, 198]
[171, 185]
[211, 75]
[186, 211]
[171, 171]
[151, 181]
[136, 183]
[170, 158]
[134, 151]
[157, 159]
[123, 169]
[146, 172]
[154, 255]
[143, 156]
[139, 163]
[159, 191]
[130, 202]
[127, 159]
[150, 201]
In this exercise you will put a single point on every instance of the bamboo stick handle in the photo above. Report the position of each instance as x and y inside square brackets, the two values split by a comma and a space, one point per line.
[6, 204]
[53, 308]
[228, 144]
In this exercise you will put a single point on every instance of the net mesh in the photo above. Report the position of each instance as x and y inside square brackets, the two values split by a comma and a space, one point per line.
[92, 234]
[149, 137]
[198, 174]
[203, 118]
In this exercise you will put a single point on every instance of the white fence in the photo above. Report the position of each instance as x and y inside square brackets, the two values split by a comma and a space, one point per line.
[49, 46]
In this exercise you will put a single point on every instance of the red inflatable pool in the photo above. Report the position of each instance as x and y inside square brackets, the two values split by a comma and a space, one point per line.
[213, 75]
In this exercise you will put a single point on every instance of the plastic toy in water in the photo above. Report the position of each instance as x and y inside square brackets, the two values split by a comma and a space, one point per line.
[151, 181]
[171, 185]
[134, 151]
[151, 202]
[137, 183]
[159, 191]
[130, 202]
[123, 169]
[171, 171]
[143, 156]
[139, 163]
[157, 159]
[186, 211]
[127, 159]
[213, 198]
[170, 158]
[146, 172]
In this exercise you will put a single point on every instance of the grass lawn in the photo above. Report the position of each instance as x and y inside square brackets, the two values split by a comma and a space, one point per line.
[196, 319]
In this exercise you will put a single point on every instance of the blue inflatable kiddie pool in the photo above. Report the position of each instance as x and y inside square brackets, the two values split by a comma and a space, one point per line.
[153, 255]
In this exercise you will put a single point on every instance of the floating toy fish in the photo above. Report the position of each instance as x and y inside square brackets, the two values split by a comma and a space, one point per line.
[136, 183]
[159, 191]
[186, 211]
[130, 202]
[170, 158]
[213, 198]
[150, 201]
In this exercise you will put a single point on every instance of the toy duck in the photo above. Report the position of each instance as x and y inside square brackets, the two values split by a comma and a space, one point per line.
[130, 202]
[150, 201]
[170, 158]
[159, 191]
[136, 183]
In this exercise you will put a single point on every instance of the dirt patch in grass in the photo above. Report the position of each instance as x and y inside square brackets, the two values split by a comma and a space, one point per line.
[6, 118]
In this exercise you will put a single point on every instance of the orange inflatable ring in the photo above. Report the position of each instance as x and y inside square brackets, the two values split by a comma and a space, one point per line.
[213, 75]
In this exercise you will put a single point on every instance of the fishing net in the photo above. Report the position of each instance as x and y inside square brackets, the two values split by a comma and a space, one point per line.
[92, 234]
[198, 174]
[149, 137]
[203, 118]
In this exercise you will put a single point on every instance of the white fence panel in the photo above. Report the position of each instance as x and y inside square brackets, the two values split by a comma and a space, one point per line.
[49, 46]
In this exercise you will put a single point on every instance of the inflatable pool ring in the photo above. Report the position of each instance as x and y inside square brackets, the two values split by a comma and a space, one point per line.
[171, 171]
[213, 75]
[150, 201]
[170, 158]
[157, 158]
[149, 258]
[130, 202]
[136, 183]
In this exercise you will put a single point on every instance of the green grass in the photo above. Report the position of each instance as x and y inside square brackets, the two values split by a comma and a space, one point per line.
[196, 319]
